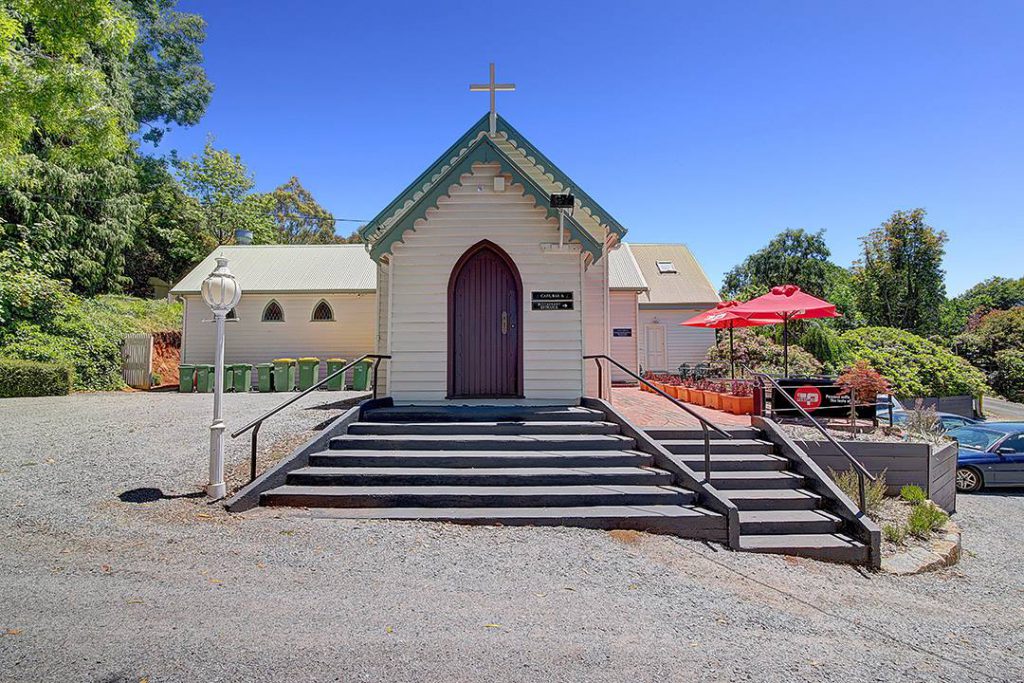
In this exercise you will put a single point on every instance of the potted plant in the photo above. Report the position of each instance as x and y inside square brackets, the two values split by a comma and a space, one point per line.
[673, 386]
[713, 395]
[740, 401]
[685, 388]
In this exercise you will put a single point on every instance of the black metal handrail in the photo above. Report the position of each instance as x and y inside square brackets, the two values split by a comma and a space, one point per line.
[862, 472]
[705, 424]
[258, 422]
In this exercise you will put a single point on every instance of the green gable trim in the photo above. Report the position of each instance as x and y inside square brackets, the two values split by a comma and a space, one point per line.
[482, 151]
[527, 147]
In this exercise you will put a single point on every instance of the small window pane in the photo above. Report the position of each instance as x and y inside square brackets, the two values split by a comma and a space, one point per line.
[666, 267]
[232, 315]
[323, 311]
[273, 313]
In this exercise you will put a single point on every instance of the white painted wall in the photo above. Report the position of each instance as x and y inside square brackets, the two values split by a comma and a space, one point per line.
[420, 270]
[682, 344]
[623, 314]
[595, 313]
[249, 340]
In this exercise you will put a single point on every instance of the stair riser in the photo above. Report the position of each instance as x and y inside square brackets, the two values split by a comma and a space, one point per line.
[841, 555]
[472, 444]
[716, 447]
[386, 459]
[823, 526]
[479, 415]
[747, 484]
[477, 479]
[464, 428]
[503, 499]
[664, 433]
[697, 464]
[776, 504]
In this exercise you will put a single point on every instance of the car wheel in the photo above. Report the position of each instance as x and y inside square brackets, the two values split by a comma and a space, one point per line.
[968, 479]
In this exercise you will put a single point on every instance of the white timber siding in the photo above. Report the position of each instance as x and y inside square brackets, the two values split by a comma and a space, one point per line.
[682, 344]
[383, 322]
[420, 270]
[595, 313]
[249, 340]
[623, 315]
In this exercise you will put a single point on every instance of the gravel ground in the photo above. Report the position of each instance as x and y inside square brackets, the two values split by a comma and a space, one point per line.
[97, 589]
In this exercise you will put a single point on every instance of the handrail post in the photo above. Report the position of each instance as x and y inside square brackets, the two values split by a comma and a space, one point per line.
[252, 458]
[600, 379]
[862, 492]
[707, 453]
[376, 364]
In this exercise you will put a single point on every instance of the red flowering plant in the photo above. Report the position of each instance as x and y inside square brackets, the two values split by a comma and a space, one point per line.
[862, 383]
[742, 389]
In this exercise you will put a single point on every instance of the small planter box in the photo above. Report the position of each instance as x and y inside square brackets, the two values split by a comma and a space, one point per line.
[697, 397]
[684, 394]
[713, 399]
[673, 390]
[738, 405]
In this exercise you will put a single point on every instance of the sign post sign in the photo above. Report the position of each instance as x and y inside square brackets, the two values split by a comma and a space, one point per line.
[819, 397]
[551, 301]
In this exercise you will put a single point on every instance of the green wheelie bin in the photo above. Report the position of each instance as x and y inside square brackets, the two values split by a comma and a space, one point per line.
[242, 374]
[361, 375]
[186, 378]
[284, 374]
[229, 377]
[333, 365]
[204, 378]
[265, 377]
[309, 372]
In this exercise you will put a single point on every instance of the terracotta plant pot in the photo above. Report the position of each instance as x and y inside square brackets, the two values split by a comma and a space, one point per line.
[676, 392]
[696, 397]
[684, 394]
[713, 399]
[744, 405]
[729, 403]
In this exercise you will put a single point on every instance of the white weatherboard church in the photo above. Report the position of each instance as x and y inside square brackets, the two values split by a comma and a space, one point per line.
[468, 282]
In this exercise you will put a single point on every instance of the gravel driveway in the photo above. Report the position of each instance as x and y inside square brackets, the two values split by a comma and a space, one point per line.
[93, 588]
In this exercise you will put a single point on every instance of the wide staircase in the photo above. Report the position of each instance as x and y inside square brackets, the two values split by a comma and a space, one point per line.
[560, 465]
[780, 511]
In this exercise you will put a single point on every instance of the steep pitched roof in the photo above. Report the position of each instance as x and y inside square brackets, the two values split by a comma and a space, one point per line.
[284, 268]
[528, 167]
[624, 272]
[688, 285]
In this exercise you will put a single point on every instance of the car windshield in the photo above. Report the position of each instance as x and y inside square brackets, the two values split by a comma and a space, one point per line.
[975, 438]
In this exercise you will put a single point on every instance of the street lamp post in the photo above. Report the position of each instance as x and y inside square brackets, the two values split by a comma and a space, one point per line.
[221, 293]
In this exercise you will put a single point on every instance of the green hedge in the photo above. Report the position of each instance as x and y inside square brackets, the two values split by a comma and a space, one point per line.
[30, 378]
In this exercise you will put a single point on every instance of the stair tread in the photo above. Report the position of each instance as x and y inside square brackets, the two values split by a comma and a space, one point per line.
[469, 454]
[755, 474]
[797, 541]
[769, 494]
[584, 489]
[733, 457]
[496, 513]
[470, 471]
[544, 423]
[714, 443]
[787, 516]
[486, 437]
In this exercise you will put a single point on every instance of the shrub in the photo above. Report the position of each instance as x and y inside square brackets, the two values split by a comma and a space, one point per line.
[862, 383]
[996, 345]
[874, 491]
[763, 354]
[913, 365]
[913, 494]
[895, 533]
[924, 519]
[30, 378]
[822, 342]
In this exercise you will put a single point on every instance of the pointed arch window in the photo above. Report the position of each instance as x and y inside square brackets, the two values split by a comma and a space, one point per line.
[232, 315]
[323, 312]
[273, 313]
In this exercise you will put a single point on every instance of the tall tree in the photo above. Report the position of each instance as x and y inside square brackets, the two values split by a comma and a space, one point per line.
[298, 217]
[793, 257]
[899, 278]
[995, 293]
[221, 183]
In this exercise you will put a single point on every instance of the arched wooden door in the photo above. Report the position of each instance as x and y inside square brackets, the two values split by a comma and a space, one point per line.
[485, 330]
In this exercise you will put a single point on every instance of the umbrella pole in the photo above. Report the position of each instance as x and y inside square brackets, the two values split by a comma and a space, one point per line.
[732, 354]
[785, 346]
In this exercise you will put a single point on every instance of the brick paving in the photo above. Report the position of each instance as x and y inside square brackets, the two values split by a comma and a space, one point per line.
[645, 409]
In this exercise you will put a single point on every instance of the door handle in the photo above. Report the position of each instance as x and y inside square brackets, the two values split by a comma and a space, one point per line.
[504, 322]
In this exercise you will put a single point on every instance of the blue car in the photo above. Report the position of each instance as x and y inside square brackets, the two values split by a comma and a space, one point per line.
[991, 454]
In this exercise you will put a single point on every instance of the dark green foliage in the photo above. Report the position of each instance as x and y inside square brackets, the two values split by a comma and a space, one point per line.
[792, 257]
[29, 378]
[899, 277]
[762, 354]
[298, 217]
[996, 293]
[914, 366]
[823, 343]
[913, 494]
[996, 345]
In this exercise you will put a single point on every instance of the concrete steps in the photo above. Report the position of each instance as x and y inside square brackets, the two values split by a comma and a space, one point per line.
[449, 414]
[470, 442]
[489, 476]
[550, 427]
[479, 458]
[779, 510]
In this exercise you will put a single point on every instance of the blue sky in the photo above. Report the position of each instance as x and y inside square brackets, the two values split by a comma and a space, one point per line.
[711, 123]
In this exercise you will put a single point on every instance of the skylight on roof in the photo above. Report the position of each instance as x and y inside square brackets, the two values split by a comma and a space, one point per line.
[666, 267]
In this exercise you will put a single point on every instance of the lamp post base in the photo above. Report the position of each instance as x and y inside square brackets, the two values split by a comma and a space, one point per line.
[217, 491]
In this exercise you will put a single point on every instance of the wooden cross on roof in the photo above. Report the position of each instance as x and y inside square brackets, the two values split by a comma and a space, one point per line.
[492, 87]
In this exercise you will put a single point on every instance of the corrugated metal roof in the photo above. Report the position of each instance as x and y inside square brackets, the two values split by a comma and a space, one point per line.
[290, 268]
[623, 271]
[688, 285]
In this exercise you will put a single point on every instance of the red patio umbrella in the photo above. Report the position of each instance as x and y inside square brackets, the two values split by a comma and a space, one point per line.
[786, 302]
[722, 317]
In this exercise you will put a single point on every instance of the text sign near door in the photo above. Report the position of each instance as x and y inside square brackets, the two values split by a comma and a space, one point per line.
[551, 301]
[622, 331]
